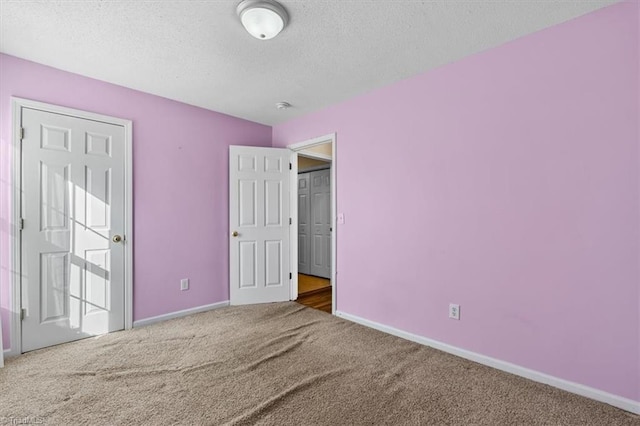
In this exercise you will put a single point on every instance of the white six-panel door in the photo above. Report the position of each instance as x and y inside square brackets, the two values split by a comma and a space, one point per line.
[304, 227]
[320, 196]
[259, 224]
[73, 207]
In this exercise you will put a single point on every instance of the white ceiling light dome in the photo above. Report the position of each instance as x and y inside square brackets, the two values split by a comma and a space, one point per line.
[263, 19]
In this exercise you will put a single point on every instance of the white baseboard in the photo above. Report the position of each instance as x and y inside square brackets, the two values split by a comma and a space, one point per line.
[586, 391]
[179, 314]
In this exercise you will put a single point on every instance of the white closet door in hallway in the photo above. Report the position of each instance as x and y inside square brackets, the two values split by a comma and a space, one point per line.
[304, 229]
[316, 241]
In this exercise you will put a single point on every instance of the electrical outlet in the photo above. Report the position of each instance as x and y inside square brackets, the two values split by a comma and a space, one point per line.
[454, 311]
[184, 284]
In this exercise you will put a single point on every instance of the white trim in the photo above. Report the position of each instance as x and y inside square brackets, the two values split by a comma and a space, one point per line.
[128, 225]
[586, 391]
[178, 314]
[15, 339]
[298, 146]
[17, 105]
[293, 229]
[331, 137]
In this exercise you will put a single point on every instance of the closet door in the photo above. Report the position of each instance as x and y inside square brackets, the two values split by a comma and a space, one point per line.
[304, 229]
[320, 195]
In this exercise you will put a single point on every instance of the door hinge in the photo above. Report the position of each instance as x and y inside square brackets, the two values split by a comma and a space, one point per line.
[21, 134]
[290, 166]
[23, 313]
[290, 221]
[290, 276]
[21, 224]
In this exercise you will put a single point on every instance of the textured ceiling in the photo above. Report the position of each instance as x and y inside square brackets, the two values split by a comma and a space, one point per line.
[197, 52]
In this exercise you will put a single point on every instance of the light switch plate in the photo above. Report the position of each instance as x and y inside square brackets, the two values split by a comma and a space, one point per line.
[184, 284]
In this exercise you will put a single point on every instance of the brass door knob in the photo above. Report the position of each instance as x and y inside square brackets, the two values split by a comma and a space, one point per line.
[117, 238]
[235, 233]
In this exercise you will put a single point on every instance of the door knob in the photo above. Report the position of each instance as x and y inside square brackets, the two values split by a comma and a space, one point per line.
[235, 233]
[117, 238]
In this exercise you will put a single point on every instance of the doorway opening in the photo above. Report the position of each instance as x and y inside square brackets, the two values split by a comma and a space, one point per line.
[313, 230]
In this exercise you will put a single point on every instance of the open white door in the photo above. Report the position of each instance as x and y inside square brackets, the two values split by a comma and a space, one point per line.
[259, 225]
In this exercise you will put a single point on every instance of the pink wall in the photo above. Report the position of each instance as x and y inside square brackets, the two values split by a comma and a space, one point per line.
[507, 182]
[180, 183]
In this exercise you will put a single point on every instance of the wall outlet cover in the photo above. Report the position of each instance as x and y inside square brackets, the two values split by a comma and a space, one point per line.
[454, 311]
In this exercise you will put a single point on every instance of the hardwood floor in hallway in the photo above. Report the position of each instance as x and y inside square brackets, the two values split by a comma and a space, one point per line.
[314, 292]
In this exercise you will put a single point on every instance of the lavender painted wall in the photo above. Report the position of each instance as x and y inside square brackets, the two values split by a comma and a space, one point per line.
[507, 182]
[180, 161]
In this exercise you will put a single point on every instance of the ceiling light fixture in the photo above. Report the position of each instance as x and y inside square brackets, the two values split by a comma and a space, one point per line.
[263, 19]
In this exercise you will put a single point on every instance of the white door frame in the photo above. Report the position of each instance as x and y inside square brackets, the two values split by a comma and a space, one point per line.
[18, 105]
[296, 147]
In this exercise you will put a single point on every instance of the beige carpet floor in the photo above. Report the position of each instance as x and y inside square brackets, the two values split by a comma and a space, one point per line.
[276, 364]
